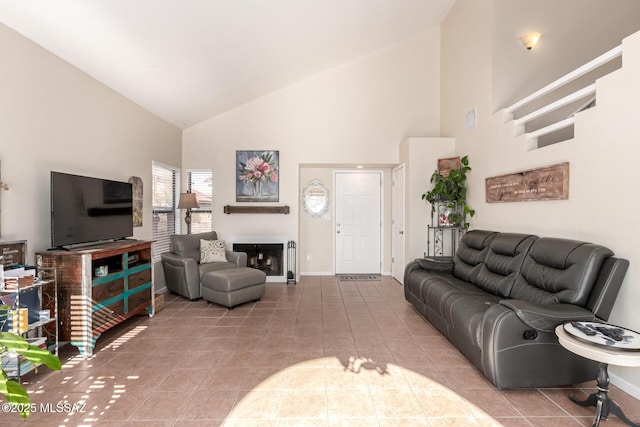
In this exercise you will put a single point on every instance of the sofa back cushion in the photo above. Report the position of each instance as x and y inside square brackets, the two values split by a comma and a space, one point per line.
[188, 245]
[559, 271]
[471, 252]
[503, 262]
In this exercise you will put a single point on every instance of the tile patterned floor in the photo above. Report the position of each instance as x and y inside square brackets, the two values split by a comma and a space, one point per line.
[320, 353]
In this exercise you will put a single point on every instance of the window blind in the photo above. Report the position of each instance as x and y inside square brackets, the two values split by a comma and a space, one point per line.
[165, 202]
[200, 182]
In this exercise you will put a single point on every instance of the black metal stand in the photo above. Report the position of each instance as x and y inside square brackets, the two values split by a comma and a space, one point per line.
[604, 406]
[291, 262]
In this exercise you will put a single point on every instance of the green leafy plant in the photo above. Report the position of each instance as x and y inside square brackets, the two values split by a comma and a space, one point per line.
[451, 190]
[13, 391]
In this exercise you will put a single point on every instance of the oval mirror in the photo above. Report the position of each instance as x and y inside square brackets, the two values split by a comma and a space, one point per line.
[315, 198]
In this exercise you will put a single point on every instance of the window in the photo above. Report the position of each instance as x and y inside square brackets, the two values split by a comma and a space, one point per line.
[165, 202]
[200, 183]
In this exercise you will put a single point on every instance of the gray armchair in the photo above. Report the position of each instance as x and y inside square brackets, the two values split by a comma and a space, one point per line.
[182, 268]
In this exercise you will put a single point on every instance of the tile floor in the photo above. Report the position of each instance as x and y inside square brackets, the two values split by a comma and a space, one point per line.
[320, 353]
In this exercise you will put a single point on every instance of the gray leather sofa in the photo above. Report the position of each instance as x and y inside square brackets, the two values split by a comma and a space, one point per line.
[500, 298]
[182, 268]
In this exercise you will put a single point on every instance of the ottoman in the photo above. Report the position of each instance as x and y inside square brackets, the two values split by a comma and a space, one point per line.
[233, 286]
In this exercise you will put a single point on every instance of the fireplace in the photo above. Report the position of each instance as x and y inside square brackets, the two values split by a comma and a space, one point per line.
[268, 257]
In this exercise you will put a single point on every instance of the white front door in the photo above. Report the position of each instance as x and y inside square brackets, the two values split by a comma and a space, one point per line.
[397, 227]
[358, 222]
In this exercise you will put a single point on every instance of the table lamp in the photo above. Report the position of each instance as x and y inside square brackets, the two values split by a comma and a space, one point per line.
[188, 201]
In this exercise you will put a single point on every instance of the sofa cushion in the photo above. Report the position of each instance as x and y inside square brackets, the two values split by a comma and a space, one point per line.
[214, 266]
[503, 262]
[212, 251]
[439, 288]
[466, 313]
[188, 245]
[471, 253]
[559, 271]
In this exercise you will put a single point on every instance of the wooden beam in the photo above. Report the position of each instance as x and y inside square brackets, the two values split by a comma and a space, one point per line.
[228, 209]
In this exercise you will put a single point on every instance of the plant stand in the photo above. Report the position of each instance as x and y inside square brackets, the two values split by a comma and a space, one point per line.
[442, 242]
[442, 237]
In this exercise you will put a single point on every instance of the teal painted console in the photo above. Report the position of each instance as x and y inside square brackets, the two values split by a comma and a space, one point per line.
[99, 287]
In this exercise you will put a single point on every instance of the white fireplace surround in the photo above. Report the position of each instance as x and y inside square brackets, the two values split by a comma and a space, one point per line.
[264, 240]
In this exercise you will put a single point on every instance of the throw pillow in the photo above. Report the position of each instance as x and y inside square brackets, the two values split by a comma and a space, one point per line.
[212, 251]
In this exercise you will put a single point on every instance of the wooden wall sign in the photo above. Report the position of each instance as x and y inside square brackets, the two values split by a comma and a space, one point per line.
[13, 254]
[546, 183]
[136, 183]
[450, 163]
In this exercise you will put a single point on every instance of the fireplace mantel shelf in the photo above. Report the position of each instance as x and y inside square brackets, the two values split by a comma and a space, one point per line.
[228, 209]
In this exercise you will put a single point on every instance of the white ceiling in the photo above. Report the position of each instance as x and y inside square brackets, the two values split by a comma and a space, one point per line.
[188, 60]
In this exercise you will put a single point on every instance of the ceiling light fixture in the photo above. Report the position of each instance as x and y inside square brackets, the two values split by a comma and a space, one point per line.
[530, 40]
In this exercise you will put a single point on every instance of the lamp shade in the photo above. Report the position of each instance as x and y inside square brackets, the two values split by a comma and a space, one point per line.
[188, 201]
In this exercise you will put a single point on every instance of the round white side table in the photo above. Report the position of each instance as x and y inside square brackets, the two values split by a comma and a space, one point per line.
[604, 356]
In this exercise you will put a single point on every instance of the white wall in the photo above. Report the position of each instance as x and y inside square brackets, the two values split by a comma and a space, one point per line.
[601, 197]
[316, 234]
[55, 117]
[595, 26]
[316, 239]
[466, 74]
[357, 113]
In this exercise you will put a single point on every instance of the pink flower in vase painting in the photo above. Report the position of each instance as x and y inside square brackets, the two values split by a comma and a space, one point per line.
[258, 176]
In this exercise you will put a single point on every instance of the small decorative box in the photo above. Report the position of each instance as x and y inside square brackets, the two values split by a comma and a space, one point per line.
[45, 315]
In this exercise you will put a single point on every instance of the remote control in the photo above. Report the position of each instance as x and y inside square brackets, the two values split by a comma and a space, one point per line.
[584, 329]
[614, 334]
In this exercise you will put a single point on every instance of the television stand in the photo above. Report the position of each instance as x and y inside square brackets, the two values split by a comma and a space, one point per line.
[100, 286]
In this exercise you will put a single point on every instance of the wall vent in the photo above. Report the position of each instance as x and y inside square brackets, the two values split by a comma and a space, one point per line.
[470, 119]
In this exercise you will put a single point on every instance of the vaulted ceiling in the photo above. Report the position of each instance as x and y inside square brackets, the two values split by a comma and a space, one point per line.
[189, 60]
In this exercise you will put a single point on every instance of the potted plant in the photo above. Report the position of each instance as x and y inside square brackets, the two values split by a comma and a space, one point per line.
[449, 193]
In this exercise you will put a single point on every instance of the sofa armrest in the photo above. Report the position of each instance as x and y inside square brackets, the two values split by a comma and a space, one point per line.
[444, 265]
[181, 274]
[237, 258]
[187, 263]
[516, 355]
[545, 317]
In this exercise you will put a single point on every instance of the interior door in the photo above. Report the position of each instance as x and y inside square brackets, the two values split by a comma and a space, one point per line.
[397, 227]
[358, 222]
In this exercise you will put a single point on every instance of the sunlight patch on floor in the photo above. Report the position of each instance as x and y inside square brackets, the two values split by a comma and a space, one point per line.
[364, 389]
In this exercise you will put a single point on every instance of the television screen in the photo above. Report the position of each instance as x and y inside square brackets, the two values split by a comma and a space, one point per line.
[85, 209]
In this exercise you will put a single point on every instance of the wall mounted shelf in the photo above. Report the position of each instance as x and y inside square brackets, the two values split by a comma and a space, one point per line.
[228, 209]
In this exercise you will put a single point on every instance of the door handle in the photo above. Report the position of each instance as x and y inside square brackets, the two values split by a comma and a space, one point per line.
[401, 232]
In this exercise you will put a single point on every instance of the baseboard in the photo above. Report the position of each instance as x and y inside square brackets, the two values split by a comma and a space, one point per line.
[625, 385]
[161, 290]
[329, 273]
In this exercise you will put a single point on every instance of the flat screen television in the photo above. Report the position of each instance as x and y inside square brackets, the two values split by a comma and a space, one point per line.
[86, 209]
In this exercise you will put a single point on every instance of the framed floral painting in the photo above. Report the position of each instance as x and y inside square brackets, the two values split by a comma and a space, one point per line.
[257, 176]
